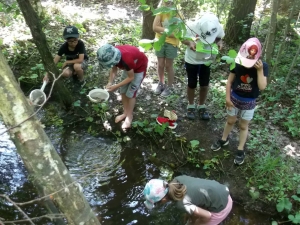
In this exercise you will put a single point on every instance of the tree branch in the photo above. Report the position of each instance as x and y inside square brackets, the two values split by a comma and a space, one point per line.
[23, 213]
[32, 115]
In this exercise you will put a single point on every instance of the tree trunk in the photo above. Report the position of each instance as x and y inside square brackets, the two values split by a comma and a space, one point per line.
[37, 5]
[282, 44]
[291, 69]
[148, 19]
[38, 154]
[39, 38]
[272, 30]
[239, 21]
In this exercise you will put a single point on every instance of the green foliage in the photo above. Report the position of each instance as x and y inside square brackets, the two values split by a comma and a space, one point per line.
[230, 59]
[8, 10]
[34, 75]
[149, 128]
[284, 203]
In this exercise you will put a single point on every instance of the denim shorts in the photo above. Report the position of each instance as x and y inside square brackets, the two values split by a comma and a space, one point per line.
[167, 51]
[132, 88]
[245, 114]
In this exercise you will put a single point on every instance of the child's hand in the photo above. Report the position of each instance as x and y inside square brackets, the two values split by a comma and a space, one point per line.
[258, 65]
[111, 88]
[108, 85]
[192, 46]
[64, 64]
[46, 78]
[229, 104]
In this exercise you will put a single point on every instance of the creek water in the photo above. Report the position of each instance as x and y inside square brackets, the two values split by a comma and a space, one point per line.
[115, 192]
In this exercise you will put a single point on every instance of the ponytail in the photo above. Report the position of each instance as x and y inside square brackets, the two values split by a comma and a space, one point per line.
[176, 191]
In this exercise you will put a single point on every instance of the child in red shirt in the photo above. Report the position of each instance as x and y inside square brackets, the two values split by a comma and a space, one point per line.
[134, 65]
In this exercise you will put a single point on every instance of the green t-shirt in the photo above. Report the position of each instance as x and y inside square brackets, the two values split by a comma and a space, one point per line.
[206, 194]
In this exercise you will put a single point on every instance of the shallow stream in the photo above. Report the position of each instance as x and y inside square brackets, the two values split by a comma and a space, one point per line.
[115, 193]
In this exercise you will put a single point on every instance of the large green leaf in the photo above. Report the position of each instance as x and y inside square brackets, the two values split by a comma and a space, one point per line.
[143, 2]
[194, 143]
[146, 44]
[232, 66]
[284, 204]
[163, 10]
[159, 43]
[254, 194]
[232, 53]
[144, 7]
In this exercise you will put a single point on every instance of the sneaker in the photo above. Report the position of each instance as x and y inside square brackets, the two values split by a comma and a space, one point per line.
[159, 89]
[191, 113]
[203, 114]
[167, 91]
[239, 157]
[216, 146]
[82, 83]
[162, 120]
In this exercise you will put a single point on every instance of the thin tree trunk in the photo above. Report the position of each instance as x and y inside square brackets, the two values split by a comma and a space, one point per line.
[272, 30]
[239, 21]
[282, 44]
[33, 22]
[261, 17]
[291, 68]
[37, 5]
[148, 18]
[38, 154]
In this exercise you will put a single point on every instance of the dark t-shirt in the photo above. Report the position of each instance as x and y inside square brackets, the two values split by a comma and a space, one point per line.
[132, 59]
[70, 55]
[245, 81]
[206, 194]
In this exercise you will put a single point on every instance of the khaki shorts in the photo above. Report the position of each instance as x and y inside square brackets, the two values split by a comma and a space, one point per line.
[167, 51]
[132, 88]
[84, 66]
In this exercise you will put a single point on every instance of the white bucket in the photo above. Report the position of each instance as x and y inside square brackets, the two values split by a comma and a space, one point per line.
[98, 95]
[37, 96]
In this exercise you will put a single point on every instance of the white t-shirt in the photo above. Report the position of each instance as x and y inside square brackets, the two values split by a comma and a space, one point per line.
[193, 31]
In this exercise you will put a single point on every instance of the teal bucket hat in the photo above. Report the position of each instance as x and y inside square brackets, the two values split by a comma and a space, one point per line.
[108, 56]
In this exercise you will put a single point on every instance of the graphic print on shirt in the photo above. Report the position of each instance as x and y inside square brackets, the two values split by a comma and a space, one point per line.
[245, 85]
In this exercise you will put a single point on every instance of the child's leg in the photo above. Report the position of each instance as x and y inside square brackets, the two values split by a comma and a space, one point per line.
[243, 133]
[171, 54]
[204, 76]
[161, 69]
[228, 126]
[67, 72]
[130, 103]
[170, 71]
[130, 96]
[79, 71]
[122, 116]
[192, 74]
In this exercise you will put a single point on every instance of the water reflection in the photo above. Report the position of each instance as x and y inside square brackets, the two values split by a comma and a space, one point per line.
[114, 193]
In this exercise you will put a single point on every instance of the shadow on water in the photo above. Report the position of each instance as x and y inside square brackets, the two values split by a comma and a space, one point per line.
[115, 188]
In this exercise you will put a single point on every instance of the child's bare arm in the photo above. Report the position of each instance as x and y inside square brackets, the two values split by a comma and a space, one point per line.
[230, 80]
[112, 74]
[261, 79]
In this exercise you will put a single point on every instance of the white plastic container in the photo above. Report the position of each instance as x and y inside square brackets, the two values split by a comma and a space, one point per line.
[98, 95]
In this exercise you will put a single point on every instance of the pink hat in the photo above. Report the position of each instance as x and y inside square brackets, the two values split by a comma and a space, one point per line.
[249, 53]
